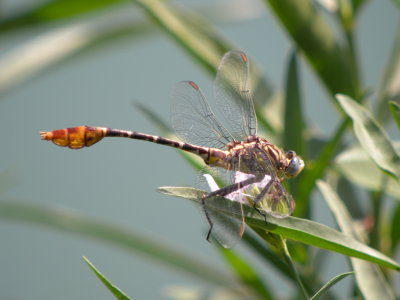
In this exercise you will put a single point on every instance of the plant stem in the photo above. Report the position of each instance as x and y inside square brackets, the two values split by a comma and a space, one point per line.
[377, 202]
[318, 168]
[290, 263]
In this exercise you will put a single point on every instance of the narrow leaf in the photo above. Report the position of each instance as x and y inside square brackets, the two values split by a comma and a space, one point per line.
[371, 136]
[290, 263]
[53, 46]
[201, 41]
[294, 123]
[357, 166]
[111, 287]
[370, 278]
[346, 15]
[293, 127]
[313, 35]
[55, 10]
[329, 284]
[395, 229]
[271, 257]
[395, 110]
[357, 5]
[246, 274]
[314, 172]
[389, 86]
[267, 254]
[300, 230]
[81, 224]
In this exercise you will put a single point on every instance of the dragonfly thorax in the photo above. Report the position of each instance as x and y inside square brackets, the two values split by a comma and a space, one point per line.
[252, 156]
[256, 156]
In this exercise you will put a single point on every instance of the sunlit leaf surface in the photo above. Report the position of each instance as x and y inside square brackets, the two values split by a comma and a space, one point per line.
[357, 166]
[300, 230]
[329, 284]
[371, 136]
[111, 287]
[370, 278]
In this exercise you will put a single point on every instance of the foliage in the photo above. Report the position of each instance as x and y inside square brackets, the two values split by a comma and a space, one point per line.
[334, 59]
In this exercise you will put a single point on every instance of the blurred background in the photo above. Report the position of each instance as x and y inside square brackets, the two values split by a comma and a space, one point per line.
[105, 62]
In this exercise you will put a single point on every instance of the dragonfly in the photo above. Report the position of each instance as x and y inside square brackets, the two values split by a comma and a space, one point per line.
[252, 168]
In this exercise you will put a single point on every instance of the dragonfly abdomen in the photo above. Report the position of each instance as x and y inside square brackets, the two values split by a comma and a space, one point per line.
[86, 136]
[201, 151]
[75, 137]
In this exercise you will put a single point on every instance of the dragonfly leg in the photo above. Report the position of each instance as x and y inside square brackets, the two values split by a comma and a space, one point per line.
[261, 196]
[203, 205]
[232, 188]
[223, 192]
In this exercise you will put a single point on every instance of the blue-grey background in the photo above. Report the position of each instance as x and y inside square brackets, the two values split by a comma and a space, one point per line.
[116, 179]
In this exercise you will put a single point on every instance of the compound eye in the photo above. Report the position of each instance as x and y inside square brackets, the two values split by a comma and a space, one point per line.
[295, 166]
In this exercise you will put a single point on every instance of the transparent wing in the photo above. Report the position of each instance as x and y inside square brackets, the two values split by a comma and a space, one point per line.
[268, 192]
[192, 118]
[277, 202]
[226, 229]
[232, 95]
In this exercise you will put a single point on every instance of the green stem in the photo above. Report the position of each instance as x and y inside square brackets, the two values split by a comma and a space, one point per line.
[352, 55]
[290, 263]
[310, 279]
[315, 172]
[377, 202]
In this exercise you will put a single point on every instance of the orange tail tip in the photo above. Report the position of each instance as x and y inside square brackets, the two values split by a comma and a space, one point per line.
[75, 137]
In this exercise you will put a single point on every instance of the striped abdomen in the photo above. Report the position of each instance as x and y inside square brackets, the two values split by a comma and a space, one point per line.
[85, 136]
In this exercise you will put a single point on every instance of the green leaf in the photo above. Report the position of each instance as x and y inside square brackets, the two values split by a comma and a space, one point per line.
[272, 258]
[389, 87]
[55, 10]
[199, 38]
[265, 253]
[246, 274]
[351, 197]
[370, 278]
[357, 166]
[201, 41]
[371, 136]
[294, 123]
[329, 284]
[300, 230]
[315, 171]
[56, 45]
[293, 137]
[81, 224]
[395, 229]
[282, 245]
[313, 35]
[112, 288]
[346, 15]
[395, 110]
[357, 5]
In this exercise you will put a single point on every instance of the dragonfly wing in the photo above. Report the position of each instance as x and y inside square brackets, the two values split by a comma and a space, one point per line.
[192, 118]
[277, 202]
[270, 195]
[232, 94]
[226, 229]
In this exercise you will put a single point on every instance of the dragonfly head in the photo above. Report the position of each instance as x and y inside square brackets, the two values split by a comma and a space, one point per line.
[295, 164]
